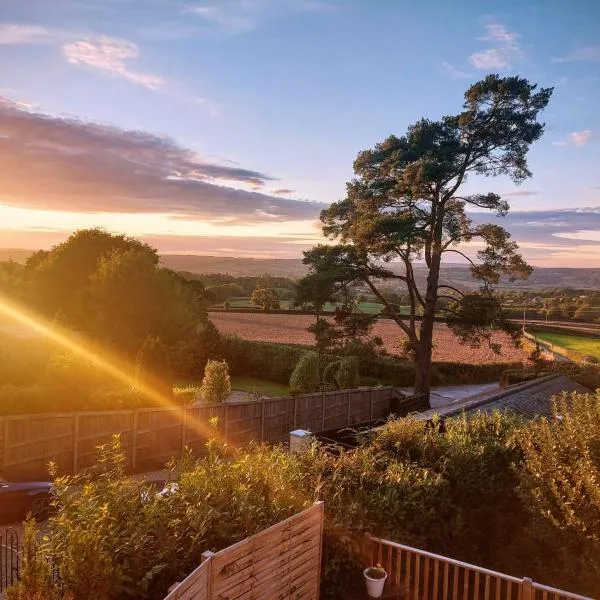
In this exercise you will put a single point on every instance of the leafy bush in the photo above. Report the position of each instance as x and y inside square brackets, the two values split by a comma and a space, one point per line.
[216, 385]
[153, 368]
[342, 374]
[306, 377]
[36, 574]
[560, 485]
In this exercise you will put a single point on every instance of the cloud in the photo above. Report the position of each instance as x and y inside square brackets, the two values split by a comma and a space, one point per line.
[517, 193]
[110, 55]
[454, 72]
[580, 138]
[12, 33]
[587, 53]
[576, 138]
[505, 48]
[71, 165]
[281, 191]
[239, 16]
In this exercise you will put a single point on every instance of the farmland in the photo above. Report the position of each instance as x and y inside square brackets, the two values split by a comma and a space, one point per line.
[291, 329]
[583, 345]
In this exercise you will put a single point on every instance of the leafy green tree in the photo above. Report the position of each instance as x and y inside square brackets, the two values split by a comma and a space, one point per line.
[153, 367]
[58, 279]
[406, 203]
[265, 298]
[306, 377]
[348, 374]
[216, 385]
[131, 299]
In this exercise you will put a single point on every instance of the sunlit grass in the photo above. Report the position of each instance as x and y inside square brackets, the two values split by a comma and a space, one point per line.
[582, 345]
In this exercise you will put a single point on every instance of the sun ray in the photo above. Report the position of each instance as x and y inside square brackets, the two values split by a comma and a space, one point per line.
[117, 369]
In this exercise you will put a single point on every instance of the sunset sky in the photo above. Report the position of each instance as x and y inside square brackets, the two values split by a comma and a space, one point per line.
[223, 127]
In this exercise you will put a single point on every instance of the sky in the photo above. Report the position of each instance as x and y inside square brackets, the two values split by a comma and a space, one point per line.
[224, 127]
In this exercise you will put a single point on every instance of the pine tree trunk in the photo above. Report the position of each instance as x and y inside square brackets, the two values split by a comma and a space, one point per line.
[425, 346]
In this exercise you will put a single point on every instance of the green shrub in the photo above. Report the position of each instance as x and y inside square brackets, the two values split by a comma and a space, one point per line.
[560, 485]
[306, 378]
[216, 385]
[153, 368]
[348, 376]
[35, 582]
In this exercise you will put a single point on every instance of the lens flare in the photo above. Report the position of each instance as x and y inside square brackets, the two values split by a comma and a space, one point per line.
[117, 369]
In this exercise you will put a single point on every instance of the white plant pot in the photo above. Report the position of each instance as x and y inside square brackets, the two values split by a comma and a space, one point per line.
[374, 586]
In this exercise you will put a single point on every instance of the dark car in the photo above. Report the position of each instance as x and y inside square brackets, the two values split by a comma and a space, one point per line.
[18, 499]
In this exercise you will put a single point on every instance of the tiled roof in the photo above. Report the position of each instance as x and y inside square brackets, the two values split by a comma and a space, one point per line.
[530, 399]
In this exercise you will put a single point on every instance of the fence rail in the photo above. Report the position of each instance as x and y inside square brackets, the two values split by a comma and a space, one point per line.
[426, 576]
[151, 436]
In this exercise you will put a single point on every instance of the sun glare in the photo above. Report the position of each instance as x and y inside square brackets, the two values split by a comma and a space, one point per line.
[94, 354]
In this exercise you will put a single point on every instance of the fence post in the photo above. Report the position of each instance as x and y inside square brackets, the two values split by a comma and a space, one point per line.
[348, 407]
[75, 443]
[183, 422]
[371, 405]
[207, 555]
[295, 412]
[136, 412]
[5, 445]
[322, 411]
[262, 420]
[526, 589]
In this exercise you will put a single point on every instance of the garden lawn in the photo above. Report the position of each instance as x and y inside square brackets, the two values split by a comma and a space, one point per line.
[239, 383]
[583, 345]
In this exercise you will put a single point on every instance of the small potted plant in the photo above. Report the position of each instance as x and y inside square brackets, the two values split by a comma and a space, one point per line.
[375, 579]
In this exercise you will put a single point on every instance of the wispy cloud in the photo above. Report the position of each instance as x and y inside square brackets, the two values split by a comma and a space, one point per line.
[587, 53]
[454, 72]
[282, 191]
[518, 193]
[576, 138]
[239, 16]
[110, 55]
[13, 34]
[504, 48]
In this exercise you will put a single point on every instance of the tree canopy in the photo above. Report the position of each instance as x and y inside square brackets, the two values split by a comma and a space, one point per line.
[406, 204]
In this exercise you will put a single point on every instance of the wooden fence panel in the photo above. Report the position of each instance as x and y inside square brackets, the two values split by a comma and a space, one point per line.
[244, 422]
[336, 409]
[32, 441]
[195, 586]
[198, 429]
[278, 419]
[97, 428]
[382, 400]
[360, 406]
[158, 437]
[309, 412]
[281, 562]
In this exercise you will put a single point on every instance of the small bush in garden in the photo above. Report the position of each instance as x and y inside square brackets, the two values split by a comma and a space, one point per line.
[36, 574]
[216, 385]
[305, 378]
[348, 376]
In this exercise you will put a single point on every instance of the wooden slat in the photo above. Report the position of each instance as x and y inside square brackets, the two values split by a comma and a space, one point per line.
[425, 594]
[476, 595]
[417, 575]
[487, 588]
[446, 575]
[455, 585]
[436, 575]
[407, 576]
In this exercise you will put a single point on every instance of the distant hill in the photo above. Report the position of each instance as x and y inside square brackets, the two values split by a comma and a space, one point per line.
[453, 274]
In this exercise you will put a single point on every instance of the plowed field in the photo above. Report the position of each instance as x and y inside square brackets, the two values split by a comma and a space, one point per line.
[291, 329]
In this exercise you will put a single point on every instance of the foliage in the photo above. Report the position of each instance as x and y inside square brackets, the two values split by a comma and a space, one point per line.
[265, 298]
[153, 368]
[306, 377]
[342, 374]
[35, 582]
[216, 385]
[190, 355]
[561, 486]
[405, 204]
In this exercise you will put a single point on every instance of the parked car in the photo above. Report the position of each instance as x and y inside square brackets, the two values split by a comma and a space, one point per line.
[18, 499]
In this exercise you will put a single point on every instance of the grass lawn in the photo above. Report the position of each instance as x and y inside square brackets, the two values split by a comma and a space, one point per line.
[240, 383]
[583, 345]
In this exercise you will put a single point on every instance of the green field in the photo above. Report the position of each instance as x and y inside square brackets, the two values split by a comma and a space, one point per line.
[582, 345]
[371, 308]
[238, 383]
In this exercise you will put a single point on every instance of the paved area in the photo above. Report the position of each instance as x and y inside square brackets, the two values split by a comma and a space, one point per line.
[447, 394]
